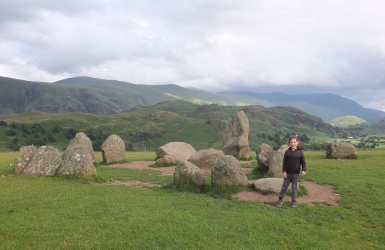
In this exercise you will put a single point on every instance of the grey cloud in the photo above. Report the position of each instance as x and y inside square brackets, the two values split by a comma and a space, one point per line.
[300, 45]
[25, 10]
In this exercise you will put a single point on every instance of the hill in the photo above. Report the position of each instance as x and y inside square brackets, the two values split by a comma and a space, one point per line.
[96, 96]
[326, 106]
[108, 97]
[346, 121]
[149, 127]
[378, 124]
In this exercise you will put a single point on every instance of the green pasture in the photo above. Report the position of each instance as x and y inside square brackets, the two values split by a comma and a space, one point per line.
[57, 213]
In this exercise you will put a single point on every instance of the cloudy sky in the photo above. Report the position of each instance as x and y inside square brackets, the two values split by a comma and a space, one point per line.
[293, 46]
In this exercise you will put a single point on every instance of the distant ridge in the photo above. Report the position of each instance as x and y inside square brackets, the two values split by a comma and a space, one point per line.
[327, 106]
[92, 95]
[107, 97]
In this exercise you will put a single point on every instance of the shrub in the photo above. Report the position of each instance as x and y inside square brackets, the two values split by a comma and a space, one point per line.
[13, 125]
[72, 132]
[15, 146]
[26, 130]
[91, 136]
[68, 136]
[56, 129]
[3, 123]
[11, 132]
[50, 137]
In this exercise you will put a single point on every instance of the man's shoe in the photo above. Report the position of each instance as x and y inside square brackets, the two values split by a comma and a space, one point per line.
[279, 203]
[294, 204]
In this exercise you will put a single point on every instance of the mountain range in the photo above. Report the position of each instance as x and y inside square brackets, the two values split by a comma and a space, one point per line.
[108, 97]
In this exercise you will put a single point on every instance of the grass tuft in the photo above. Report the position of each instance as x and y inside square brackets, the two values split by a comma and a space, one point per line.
[242, 158]
[158, 165]
[114, 162]
[300, 192]
[258, 173]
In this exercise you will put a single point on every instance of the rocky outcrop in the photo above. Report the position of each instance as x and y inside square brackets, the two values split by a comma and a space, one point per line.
[205, 159]
[264, 154]
[187, 173]
[269, 184]
[276, 162]
[81, 139]
[113, 149]
[235, 136]
[45, 162]
[227, 171]
[212, 112]
[77, 161]
[175, 152]
[341, 150]
[24, 157]
[209, 108]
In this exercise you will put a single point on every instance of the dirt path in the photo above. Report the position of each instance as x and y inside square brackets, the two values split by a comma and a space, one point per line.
[321, 194]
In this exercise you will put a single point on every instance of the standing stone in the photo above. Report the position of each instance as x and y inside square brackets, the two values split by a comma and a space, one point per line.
[77, 161]
[175, 152]
[45, 162]
[205, 159]
[187, 173]
[276, 162]
[341, 150]
[235, 136]
[228, 172]
[264, 155]
[81, 139]
[113, 149]
[24, 157]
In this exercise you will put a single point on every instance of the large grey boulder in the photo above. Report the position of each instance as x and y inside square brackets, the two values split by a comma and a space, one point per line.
[113, 149]
[269, 184]
[236, 136]
[175, 152]
[81, 139]
[45, 162]
[187, 173]
[341, 150]
[77, 161]
[205, 159]
[227, 171]
[264, 155]
[276, 162]
[23, 158]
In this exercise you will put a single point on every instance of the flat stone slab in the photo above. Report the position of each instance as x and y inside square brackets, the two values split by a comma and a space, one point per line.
[271, 184]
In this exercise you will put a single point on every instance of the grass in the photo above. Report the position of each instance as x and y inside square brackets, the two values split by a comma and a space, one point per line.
[56, 213]
[168, 164]
[114, 162]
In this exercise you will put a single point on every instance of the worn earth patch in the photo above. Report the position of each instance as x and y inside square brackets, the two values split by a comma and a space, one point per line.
[317, 194]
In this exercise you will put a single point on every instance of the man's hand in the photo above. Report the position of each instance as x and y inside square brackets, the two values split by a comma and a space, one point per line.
[284, 175]
[303, 172]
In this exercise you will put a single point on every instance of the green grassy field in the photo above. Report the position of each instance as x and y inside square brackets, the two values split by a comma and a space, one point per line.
[56, 213]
